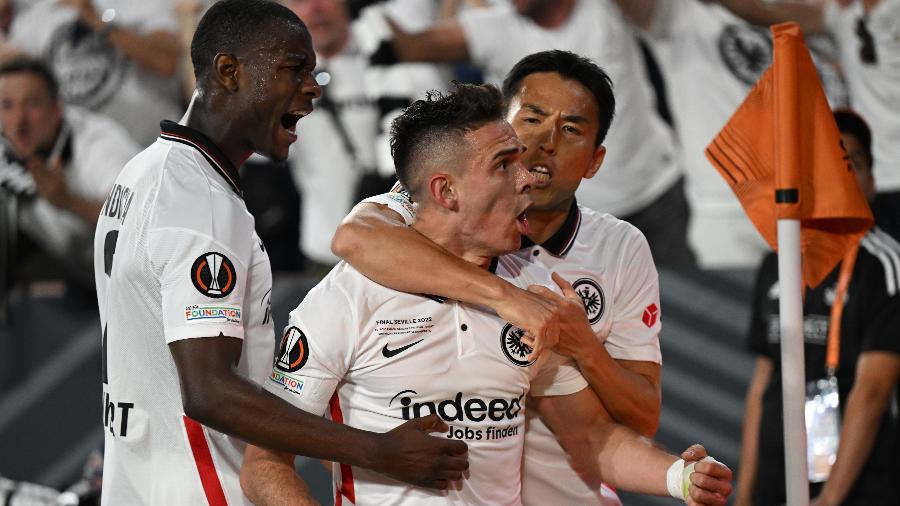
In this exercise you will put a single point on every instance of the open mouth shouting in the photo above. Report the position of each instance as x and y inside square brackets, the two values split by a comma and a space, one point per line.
[289, 122]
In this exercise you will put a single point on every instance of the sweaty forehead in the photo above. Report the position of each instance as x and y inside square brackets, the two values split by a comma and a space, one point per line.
[284, 40]
[551, 92]
[492, 137]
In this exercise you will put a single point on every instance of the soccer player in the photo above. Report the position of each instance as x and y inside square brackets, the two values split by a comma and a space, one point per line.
[373, 356]
[183, 284]
[561, 106]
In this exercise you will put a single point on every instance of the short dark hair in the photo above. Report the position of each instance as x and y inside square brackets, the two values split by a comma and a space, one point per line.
[232, 25]
[32, 66]
[570, 66]
[437, 122]
[851, 122]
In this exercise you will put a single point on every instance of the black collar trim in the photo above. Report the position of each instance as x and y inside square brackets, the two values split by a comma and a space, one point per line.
[435, 298]
[561, 242]
[174, 132]
[493, 266]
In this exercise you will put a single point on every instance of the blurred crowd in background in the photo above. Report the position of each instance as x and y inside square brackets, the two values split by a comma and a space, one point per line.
[85, 83]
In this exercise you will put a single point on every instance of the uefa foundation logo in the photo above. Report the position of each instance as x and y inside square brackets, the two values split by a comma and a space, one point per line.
[213, 275]
[515, 350]
[592, 296]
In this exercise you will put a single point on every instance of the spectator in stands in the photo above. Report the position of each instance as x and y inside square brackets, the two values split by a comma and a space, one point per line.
[866, 32]
[867, 468]
[115, 57]
[345, 155]
[711, 57]
[641, 182]
[57, 164]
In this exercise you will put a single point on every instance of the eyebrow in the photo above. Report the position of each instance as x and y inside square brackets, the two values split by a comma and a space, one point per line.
[571, 118]
[503, 153]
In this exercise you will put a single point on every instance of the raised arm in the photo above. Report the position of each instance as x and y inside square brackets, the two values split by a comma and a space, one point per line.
[268, 478]
[877, 374]
[375, 240]
[214, 394]
[639, 12]
[810, 16]
[443, 42]
[157, 51]
[605, 452]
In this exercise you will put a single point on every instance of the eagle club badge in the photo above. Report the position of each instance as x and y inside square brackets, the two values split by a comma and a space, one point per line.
[515, 350]
[213, 275]
[593, 298]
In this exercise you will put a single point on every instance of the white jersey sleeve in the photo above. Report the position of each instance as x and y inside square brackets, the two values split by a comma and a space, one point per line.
[202, 282]
[316, 348]
[397, 201]
[634, 334]
[556, 375]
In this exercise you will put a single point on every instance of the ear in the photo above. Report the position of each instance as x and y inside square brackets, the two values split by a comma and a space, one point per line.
[441, 190]
[596, 161]
[225, 71]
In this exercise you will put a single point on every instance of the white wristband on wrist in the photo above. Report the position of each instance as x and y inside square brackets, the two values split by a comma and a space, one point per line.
[678, 477]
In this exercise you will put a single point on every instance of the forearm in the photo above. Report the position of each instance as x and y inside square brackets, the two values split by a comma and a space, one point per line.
[269, 479]
[810, 17]
[158, 52]
[309, 435]
[444, 42]
[631, 399]
[762, 374]
[857, 438]
[639, 12]
[746, 478]
[390, 243]
[86, 209]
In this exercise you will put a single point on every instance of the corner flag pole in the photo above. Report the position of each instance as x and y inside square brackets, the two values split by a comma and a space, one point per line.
[788, 160]
[793, 385]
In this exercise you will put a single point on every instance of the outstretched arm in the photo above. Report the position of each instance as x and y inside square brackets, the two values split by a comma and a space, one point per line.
[605, 452]
[375, 240]
[158, 51]
[443, 42]
[810, 16]
[209, 381]
[639, 12]
[877, 373]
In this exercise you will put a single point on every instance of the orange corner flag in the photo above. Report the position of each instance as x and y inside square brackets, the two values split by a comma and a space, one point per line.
[781, 153]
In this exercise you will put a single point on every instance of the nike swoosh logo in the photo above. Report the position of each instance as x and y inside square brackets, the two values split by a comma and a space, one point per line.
[393, 353]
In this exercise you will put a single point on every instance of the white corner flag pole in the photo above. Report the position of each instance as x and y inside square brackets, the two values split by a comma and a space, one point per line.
[793, 367]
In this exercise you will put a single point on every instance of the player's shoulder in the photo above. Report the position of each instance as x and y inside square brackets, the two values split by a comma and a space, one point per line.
[192, 195]
[880, 252]
[597, 227]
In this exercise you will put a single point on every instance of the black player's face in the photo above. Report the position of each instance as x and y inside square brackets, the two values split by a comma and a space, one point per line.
[493, 191]
[556, 119]
[280, 88]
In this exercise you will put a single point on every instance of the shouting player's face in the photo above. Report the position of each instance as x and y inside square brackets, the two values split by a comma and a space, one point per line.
[280, 88]
[556, 119]
[493, 192]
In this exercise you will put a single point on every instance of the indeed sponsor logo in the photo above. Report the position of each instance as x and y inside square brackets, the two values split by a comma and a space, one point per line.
[457, 409]
[230, 314]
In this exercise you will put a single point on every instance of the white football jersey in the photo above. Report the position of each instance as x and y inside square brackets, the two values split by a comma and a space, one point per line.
[176, 257]
[375, 357]
[608, 262]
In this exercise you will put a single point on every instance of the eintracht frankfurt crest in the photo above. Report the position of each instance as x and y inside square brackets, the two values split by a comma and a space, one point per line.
[213, 275]
[592, 297]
